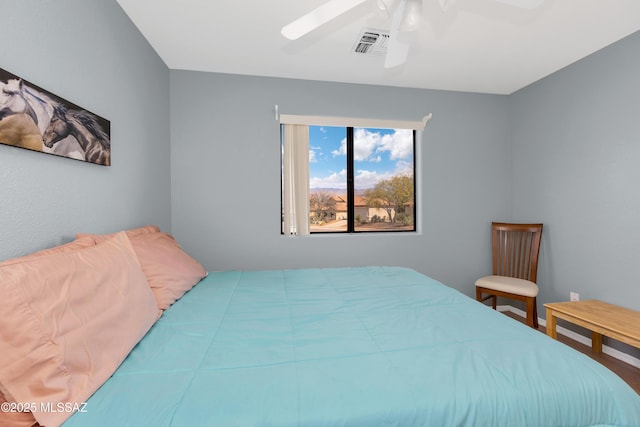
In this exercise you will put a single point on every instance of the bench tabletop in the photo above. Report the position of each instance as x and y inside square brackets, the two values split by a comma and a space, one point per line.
[622, 320]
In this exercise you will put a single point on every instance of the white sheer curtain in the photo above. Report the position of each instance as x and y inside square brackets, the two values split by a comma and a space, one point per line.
[296, 180]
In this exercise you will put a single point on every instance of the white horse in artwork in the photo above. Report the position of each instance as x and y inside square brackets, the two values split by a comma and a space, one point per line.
[11, 102]
[18, 98]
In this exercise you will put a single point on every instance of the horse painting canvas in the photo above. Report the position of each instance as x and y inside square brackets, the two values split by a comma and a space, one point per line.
[35, 119]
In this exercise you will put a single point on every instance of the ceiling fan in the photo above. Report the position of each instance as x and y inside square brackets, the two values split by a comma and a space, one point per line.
[405, 17]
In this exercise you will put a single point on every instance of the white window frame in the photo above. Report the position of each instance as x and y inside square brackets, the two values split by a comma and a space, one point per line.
[296, 171]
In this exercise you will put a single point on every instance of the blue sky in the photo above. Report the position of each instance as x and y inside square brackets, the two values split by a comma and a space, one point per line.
[379, 154]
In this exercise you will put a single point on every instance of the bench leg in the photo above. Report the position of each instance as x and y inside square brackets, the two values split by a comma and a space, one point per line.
[596, 342]
[551, 324]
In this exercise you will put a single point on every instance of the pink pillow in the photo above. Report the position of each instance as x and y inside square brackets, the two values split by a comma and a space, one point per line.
[69, 320]
[169, 270]
[82, 243]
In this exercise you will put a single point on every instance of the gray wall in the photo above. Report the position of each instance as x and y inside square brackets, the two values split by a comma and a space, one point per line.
[575, 156]
[225, 165]
[575, 160]
[88, 52]
[563, 151]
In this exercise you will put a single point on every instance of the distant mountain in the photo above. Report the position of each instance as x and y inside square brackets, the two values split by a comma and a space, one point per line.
[332, 191]
[335, 191]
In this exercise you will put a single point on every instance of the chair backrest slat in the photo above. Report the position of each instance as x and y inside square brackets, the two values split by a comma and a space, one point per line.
[515, 249]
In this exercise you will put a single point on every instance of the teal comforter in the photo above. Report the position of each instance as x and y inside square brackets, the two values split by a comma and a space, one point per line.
[375, 346]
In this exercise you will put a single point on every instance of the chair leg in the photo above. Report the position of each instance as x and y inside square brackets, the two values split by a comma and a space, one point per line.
[532, 315]
[481, 298]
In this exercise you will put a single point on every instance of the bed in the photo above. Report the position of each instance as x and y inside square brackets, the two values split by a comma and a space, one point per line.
[122, 329]
[376, 346]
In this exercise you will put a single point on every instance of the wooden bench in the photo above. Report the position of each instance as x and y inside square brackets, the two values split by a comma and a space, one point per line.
[601, 318]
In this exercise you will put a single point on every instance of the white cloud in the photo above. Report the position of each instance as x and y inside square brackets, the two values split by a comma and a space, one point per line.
[365, 145]
[363, 178]
[404, 168]
[368, 179]
[342, 151]
[315, 153]
[368, 145]
[399, 144]
[371, 146]
[335, 180]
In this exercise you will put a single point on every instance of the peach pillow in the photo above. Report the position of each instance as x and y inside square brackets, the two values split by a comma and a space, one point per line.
[169, 270]
[69, 320]
[26, 418]
[130, 233]
[82, 243]
[15, 419]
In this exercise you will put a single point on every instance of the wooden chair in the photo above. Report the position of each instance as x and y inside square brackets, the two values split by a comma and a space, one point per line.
[515, 249]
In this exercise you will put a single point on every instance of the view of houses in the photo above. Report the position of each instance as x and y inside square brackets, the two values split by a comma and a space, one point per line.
[329, 212]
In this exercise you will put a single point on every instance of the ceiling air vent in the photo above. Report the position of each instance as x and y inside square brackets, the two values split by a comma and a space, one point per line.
[372, 42]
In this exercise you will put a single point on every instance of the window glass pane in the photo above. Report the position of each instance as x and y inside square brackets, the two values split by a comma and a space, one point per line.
[366, 173]
[327, 179]
[384, 179]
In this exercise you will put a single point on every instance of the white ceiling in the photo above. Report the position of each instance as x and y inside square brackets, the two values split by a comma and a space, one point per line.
[476, 45]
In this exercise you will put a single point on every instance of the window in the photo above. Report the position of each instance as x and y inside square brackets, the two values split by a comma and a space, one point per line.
[356, 179]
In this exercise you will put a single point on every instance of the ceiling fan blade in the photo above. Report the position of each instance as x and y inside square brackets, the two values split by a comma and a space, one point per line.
[317, 17]
[397, 51]
[524, 4]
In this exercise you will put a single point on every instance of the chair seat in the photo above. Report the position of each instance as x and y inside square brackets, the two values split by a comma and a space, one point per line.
[509, 284]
